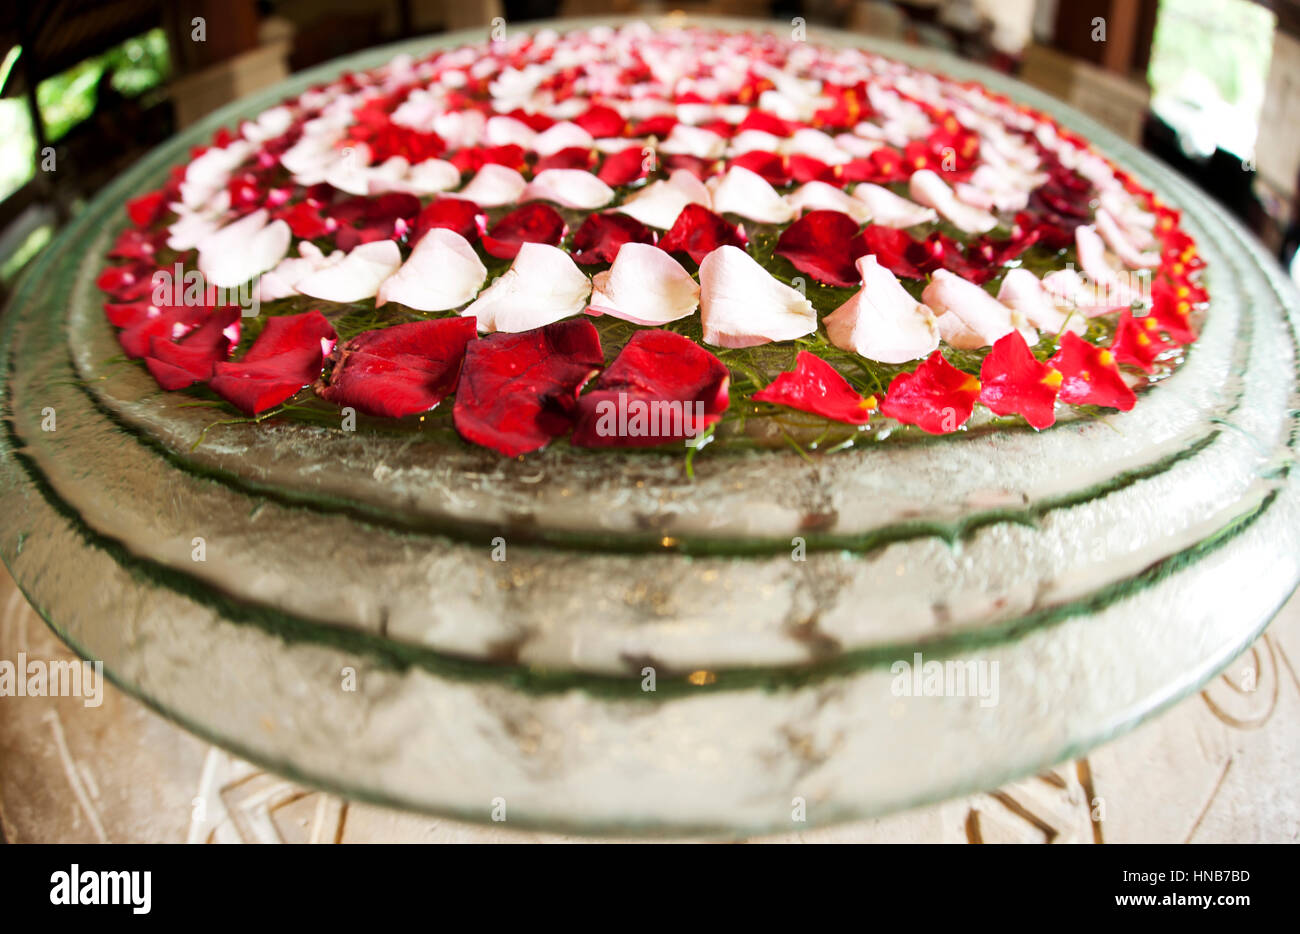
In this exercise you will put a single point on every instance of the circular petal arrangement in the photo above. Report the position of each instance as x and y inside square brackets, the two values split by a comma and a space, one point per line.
[915, 247]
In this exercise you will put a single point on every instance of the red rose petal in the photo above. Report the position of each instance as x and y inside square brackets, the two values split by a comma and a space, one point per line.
[1013, 382]
[400, 370]
[817, 387]
[771, 167]
[765, 122]
[534, 222]
[571, 157]
[306, 220]
[177, 364]
[807, 169]
[127, 282]
[659, 127]
[1090, 375]
[142, 321]
[286, 356]
[464, 217]
[936, 397]
[147, 210]
[825, 245]
[600, 236]
[601, 121]
[697, 232]
[662, 387]
[624, 167]
[473, 158]
[700, 168]
[1137, 341]
[360, 220]
[518, 391]
[137, 245]
[537, 122]
[898, 252]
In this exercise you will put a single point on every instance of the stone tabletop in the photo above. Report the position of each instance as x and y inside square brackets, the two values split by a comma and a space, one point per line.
[1219, 767]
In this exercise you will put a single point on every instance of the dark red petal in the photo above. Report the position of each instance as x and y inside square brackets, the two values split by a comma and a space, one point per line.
[993, 253]
[1013, 382]
[624, 167]
[147, 210]
[825, 245]
[177, 364]
[137, 245]
[601, 121]
[807, 169]
[127, 282]
[765, 122]
[142, 321]
[1090, 375]
[534, 222]
[700, 168]
[600, 236]
[697, 232]
[286, 356]
[464, 217]
[571, 157]
[473, 158]
[817, 387]
[936, 397]
[897, 252]
[659, 126]
[400, 370]
[946, 252]
[518, 391]
[1137, 341]
[771, 167]
[537, 122]
[306, 220]
[662, 387]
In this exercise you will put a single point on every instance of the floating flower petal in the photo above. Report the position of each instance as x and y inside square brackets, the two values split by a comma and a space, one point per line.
[519, 391]
[542, 286]
[662, 387]
[442, 272]
[357, 276]
[570, 188]
[1090, 375]
[742, 305]
[882, 321]
[645, 286]
[529, 223]
[817, 387]
[1013, 382]
[601, 235]
[936, 397]
[400, 370]
[825, 245]
[286, 356]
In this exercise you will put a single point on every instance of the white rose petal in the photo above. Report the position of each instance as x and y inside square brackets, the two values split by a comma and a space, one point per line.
[357, 276]
[542, 286]
[742, 305]
[442, 272]
[645, 286]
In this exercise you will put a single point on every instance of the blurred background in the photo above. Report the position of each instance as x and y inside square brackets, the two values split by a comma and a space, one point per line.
[87, 86]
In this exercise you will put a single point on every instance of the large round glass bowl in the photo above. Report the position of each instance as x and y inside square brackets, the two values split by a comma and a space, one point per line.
[348, 625]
